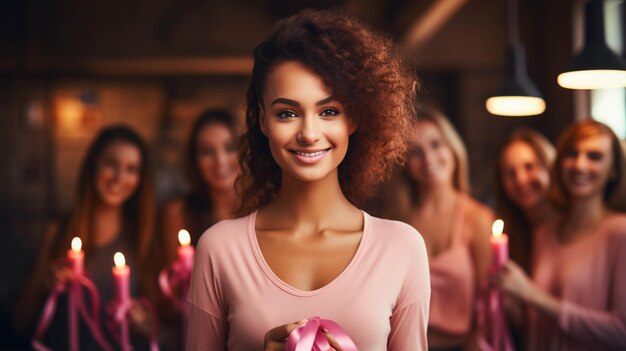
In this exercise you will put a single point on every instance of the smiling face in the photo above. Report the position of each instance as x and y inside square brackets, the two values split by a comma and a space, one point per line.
[217, 156]
[118, 172]
[307, 128]
[587, 166]
[524, 178]
[430, 160]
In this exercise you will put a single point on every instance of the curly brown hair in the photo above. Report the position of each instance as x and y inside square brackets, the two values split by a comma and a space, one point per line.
[365, 74]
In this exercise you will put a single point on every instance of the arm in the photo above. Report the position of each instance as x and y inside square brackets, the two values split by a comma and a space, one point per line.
[206, 331]
[602, 327]
[409, 319]
[208, 326]
[606, 327]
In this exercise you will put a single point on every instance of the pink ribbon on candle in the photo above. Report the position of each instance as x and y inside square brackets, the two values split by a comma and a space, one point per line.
[489, 312]
[311, 337]
[119, 317]
[91, 317]
[177, 277]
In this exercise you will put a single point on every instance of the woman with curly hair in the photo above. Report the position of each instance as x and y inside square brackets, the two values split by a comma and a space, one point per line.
[522, 180]
[576, 293]
[328, 114]
[435, 187]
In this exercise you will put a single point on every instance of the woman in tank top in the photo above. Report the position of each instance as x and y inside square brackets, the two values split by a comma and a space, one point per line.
[434, 198]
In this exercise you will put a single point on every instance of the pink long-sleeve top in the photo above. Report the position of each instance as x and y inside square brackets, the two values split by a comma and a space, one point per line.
[380, 299]
[589, 276]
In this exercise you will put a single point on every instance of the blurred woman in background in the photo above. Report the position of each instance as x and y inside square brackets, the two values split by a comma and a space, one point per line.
[576, 293]
[455, 227]
[114, 211]
[522, 181]
[212, 167]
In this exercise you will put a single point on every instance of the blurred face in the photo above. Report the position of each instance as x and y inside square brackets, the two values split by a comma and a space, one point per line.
[118, 173]
[430, 159]
[217, 156]
[586, 168]
[307, 128]
[524, 177]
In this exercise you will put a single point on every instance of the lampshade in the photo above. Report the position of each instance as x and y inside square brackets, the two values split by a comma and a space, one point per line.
[596, 66]
[518, 95]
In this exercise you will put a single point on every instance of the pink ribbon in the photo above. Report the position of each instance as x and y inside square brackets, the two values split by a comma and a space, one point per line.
[117, 324]
[311, 336]
[177, 277]
[76, 303]
[489, 312]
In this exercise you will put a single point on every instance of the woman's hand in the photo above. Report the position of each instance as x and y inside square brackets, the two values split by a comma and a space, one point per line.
[141, 320]
[515, 282]
[59, 271]
[275, 338]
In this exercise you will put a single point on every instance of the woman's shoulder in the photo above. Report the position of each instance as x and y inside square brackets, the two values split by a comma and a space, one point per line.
[476, 210]
[477, 216]
[396, 233]
[615, 225]
[224, 233]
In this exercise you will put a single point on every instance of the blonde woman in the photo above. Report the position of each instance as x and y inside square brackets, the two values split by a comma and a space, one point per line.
[455, 227]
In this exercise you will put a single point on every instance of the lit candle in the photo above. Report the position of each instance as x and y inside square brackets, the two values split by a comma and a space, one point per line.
[499, 244]
[121, 275]
[76, 256]
[185, 251]
[76, 260]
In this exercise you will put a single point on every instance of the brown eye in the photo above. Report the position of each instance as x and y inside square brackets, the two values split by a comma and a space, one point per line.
[595, 155]
[133, 169]
[231, 147]
[207, 152]
[529, 166]
[286, 114]
[329, 112]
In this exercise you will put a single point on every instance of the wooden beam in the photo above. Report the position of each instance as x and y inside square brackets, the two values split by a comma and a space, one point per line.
[431, 20]
[135, 67]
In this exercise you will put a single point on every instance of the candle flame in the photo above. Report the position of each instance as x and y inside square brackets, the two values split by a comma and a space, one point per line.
[119, 259]
[77, 244]
[183, 237]
[497, 228]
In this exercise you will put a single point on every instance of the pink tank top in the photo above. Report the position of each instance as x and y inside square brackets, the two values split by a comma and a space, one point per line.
[452, 282]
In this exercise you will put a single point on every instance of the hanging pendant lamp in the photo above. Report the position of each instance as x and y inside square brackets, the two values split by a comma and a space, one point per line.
[596, 66]
[518, 95]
